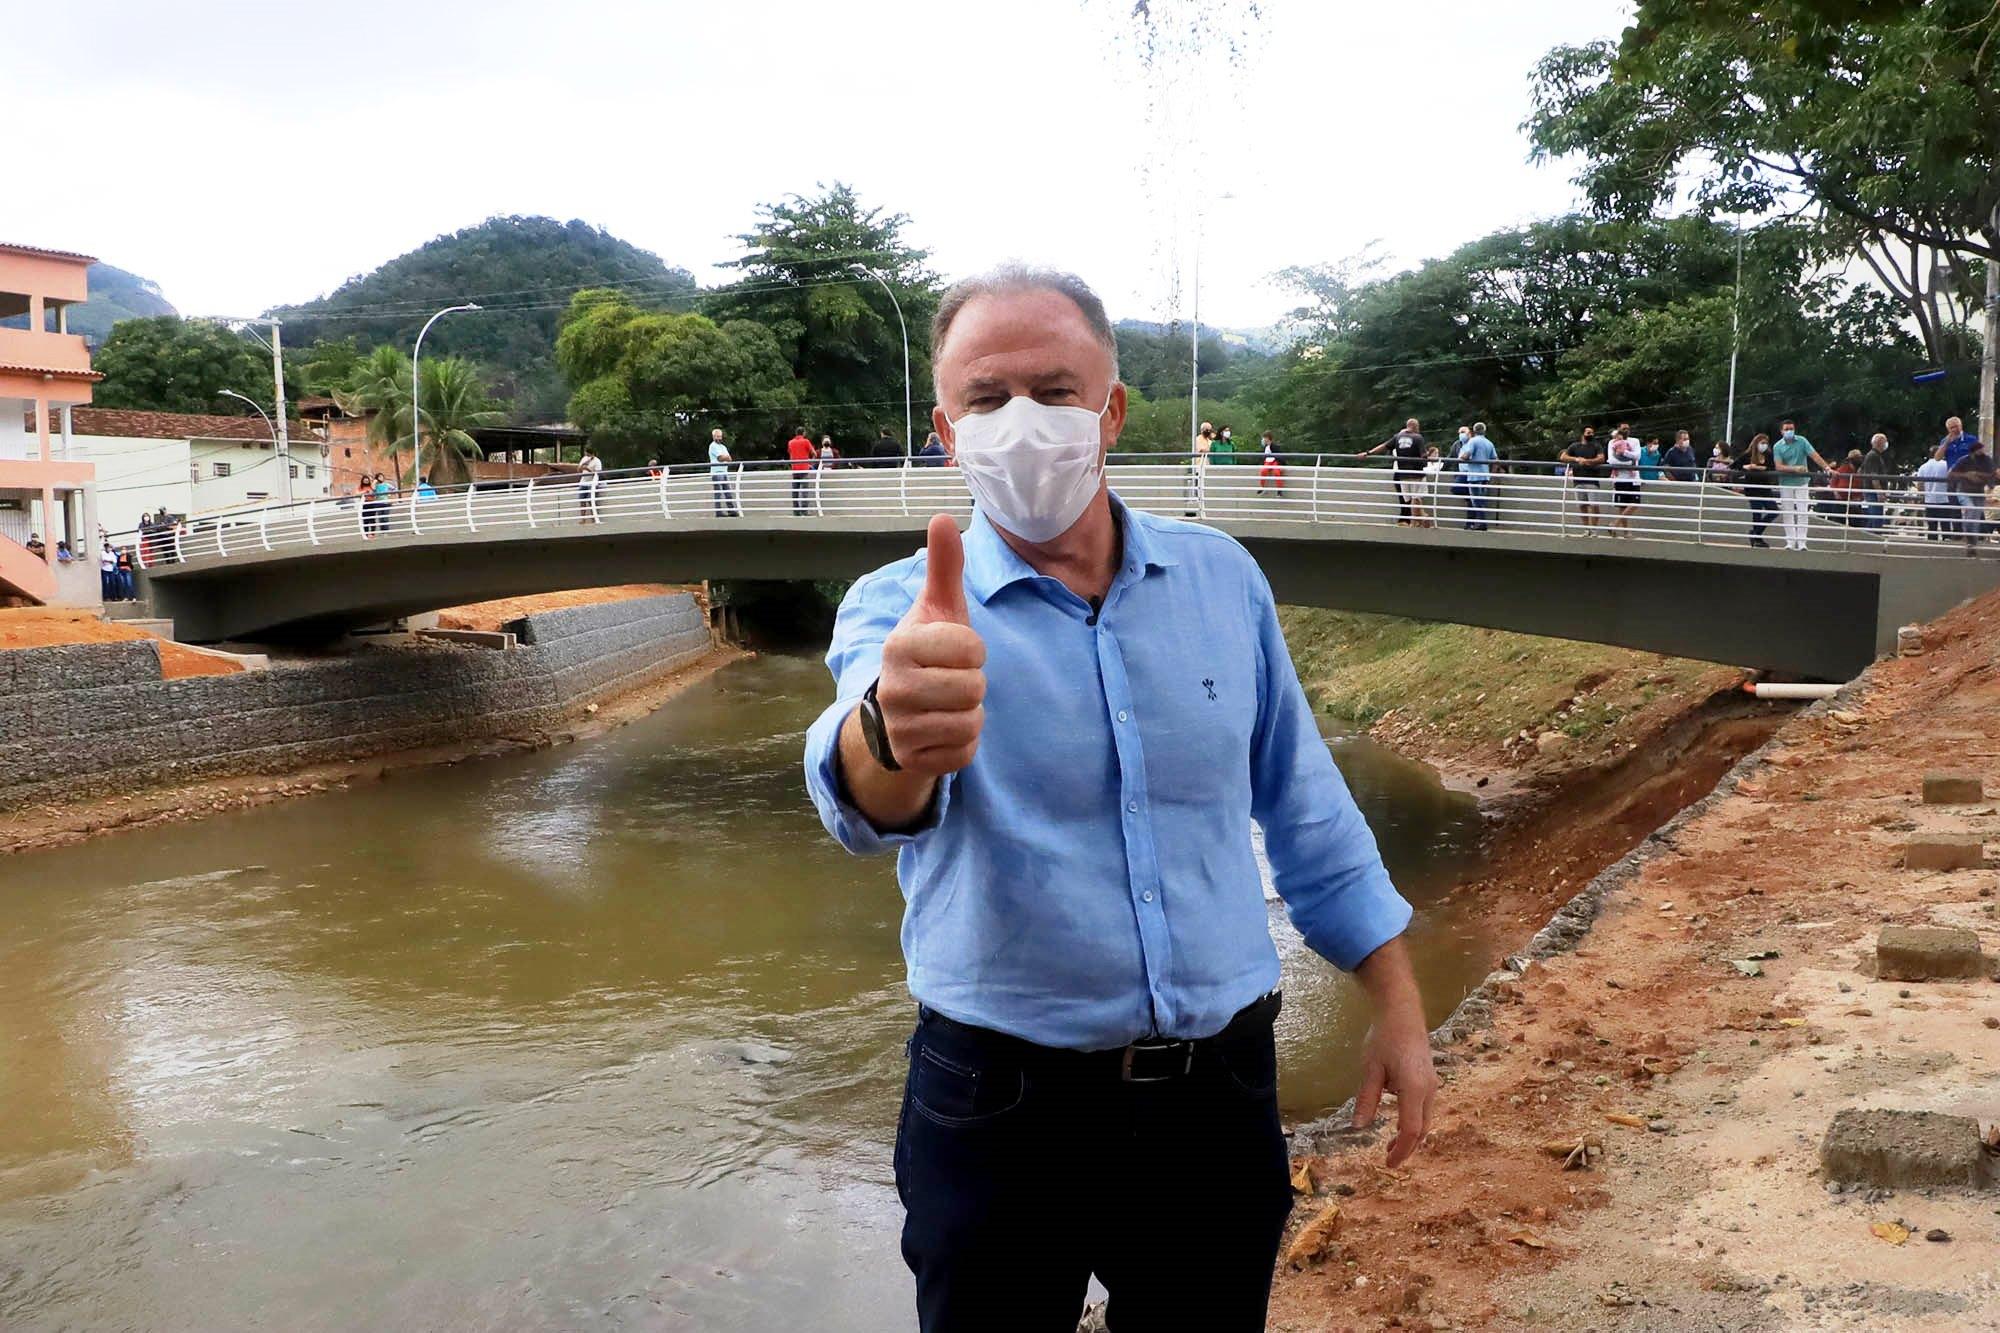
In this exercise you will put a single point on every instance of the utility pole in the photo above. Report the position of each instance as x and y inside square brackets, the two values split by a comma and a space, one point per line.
[1989, 361]
[283, 434]
[1735, 340]
[1194, 343]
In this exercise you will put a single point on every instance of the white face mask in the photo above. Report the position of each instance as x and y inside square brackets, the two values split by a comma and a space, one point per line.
[1033, 468]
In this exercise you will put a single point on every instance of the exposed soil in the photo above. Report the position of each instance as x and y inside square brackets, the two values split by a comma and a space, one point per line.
[47, 627]
[1703, 1208]
[493, 615]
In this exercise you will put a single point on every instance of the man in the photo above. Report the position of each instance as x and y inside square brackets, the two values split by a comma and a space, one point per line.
[1957, 444]
[886, 451]
[1064, 723]
[1476, 456]
[1793, 457]
[1934, 476]
[1623, 451]
[36, 546]
[800, 450]
[107, 572]
[932, 454]
[1406, 473]
[1585, 457]
[589, 471]
[1875, 484]
[1680, 461]
[1971, 478]
[719, 481]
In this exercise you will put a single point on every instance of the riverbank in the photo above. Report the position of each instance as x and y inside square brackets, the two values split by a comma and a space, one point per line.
[96, 737]
[1701, 1036]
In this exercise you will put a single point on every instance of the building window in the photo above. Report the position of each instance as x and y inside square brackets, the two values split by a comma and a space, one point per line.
[256, 495]
[221, 469]
[295, 469]
[309, 471]
[347, 453]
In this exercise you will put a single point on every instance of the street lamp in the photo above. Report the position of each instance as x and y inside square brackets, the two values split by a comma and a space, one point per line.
[908, 429]
[1194, 343]
[277, 449]
[416, 397]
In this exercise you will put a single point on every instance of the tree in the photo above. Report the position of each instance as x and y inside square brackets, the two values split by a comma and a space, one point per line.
[1877, 118]
[455, 403]
[169, 364]
[836, 327]
[648, 384]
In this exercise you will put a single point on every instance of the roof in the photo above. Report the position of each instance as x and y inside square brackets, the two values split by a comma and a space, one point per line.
[47, 372]
[38, 251]
[135, 424]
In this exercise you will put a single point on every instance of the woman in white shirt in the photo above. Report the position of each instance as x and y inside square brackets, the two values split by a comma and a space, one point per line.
[1940, 518]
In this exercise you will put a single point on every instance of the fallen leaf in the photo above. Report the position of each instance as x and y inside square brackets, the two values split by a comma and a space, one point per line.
[1793, 1022]
[1890, 1232]
[1626, 1119]
[1302, 1176]
[1315, 1237]
[1529, 1239]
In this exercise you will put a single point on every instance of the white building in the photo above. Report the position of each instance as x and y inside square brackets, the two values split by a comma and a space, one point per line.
[191, 464]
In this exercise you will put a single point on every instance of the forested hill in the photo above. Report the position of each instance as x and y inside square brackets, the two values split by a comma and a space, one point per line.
[522, 270]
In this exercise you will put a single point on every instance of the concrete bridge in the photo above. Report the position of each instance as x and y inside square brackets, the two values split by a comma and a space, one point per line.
[1326, 531]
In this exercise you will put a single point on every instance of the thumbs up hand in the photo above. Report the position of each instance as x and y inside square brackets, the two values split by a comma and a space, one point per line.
[932, 680]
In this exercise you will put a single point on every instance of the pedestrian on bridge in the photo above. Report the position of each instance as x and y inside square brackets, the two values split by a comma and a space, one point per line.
[1406, 469]
[1754, 469]
[1065, 743]
[1271, 472]
[1957, 444]
[1876, 478]
[1972, 477]
[886, 451]
[1940, 519]
[1680, 461]
[1476, 457]
[1585, 456]
[721, 485]
[590, 470]
[1624, 452]
[1794, 458]
[800, 450]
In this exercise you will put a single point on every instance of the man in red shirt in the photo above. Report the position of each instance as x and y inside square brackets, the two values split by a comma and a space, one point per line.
[802, 453]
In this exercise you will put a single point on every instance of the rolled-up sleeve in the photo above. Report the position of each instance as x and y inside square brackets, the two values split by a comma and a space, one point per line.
[871, 609]
[1323, 856]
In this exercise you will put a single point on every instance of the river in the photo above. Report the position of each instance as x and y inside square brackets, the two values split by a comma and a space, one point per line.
[605, 1034]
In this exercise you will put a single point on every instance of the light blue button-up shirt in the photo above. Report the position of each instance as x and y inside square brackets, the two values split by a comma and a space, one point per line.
[1088, 879]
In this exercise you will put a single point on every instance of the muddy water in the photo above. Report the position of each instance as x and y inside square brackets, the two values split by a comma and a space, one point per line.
[608, 1034]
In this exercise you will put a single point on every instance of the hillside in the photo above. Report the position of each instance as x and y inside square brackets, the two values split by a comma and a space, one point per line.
[114, 295]
[521, 269]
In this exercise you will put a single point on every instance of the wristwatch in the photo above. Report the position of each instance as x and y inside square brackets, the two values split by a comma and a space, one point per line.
[875, 730]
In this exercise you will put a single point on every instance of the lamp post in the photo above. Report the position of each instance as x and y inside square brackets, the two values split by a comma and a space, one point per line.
[276, 447]
[908, 425]
[1735, 341]
[1194, 343]
[416, 395]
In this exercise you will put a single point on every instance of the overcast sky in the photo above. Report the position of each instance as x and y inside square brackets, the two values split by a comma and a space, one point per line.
[245, 155]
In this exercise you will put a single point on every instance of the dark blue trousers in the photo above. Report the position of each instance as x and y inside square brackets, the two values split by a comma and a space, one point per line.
[1026, 1170]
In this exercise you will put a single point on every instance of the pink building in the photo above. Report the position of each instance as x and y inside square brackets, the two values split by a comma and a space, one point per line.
[46, 496]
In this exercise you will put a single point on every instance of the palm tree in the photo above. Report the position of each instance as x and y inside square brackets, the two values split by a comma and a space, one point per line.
[455, 403]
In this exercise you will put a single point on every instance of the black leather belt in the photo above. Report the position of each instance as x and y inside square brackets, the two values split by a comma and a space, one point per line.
[1148, 1060]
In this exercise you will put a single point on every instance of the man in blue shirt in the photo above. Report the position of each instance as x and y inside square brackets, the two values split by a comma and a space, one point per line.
[1476, 457]
[1957, 444]
[1063, 724]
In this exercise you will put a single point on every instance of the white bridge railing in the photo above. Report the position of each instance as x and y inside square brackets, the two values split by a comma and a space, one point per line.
[1317, 489]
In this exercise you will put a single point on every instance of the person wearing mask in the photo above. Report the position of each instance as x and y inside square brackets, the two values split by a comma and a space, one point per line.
[1793, 458]
[799, 449]
[1755, 470]
[1406, 469]
[1585, 457]
[1223, 451]
[1971, 478]
[932, 454]
[1204, 449]
[1649, 460]
[589, 470]
[378, 501]
[1623, 452]
[1092, 1076]
[1271, 472]
[1940, 515]
[63, 557]
[1875, 484]
[1680, 461]
[1720, 464]
[1476, 457]
[721, 486]
[1843, 490]
[127, 585]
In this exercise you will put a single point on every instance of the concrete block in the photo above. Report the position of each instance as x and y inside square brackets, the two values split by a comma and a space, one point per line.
[1927, 953]
[1953, 789]
[1904, 1150]
[471, 638]
[1943, 851]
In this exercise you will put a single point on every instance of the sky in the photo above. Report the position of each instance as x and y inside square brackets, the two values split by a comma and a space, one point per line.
[245, 155]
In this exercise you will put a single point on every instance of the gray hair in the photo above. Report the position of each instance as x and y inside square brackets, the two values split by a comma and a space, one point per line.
[1010, 278]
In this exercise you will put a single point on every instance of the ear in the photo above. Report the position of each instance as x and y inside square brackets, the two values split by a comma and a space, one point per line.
[1114, 419]
[942, 425]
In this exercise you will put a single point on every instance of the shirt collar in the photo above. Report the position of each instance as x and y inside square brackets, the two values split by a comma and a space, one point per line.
[991, 564]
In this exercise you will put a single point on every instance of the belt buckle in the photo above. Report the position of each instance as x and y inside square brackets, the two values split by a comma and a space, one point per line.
[1125, 1061]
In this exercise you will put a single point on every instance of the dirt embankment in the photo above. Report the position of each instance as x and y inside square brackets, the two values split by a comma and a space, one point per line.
[45, 627]
[1701, 1036]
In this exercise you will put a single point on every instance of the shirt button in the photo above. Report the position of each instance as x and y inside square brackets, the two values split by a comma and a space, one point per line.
[1147, 896]
[1133, 806]
[1121, 715]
